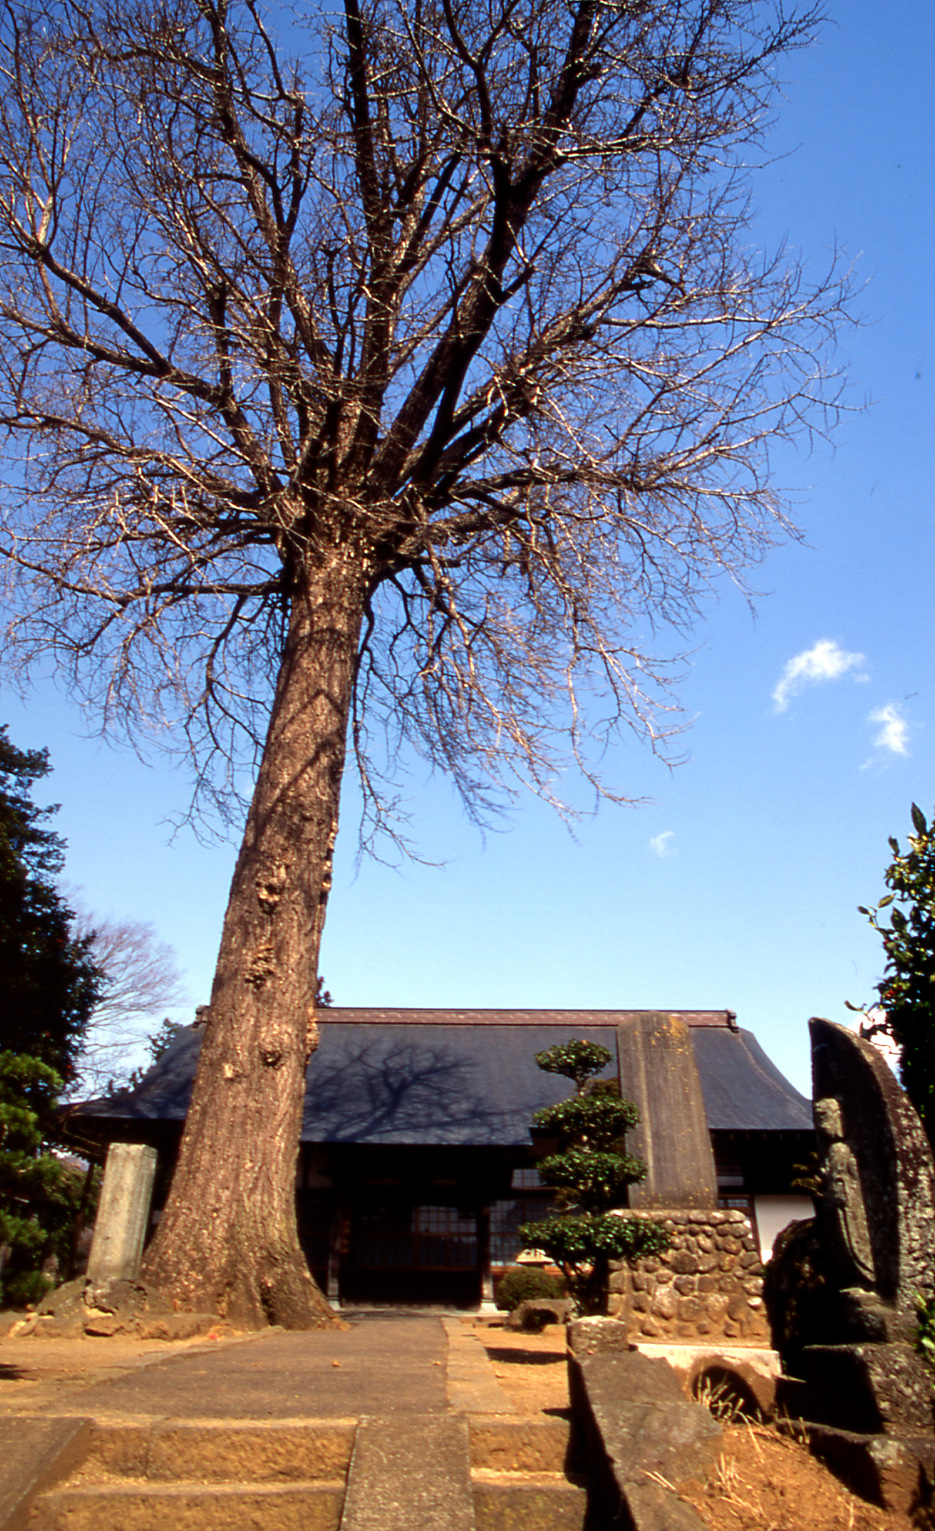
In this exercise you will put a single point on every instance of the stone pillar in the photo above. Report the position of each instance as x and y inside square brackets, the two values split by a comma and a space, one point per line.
[658, 1072]
[122, 1213]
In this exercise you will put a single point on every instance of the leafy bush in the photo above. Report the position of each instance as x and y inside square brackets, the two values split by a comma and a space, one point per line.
[907, 988]
[523, 1283]
[925, 1333]
[575, 1060]
[597, 1119]
[583, 1240]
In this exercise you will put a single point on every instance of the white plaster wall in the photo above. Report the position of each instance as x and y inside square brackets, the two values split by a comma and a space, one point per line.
[774, 1213]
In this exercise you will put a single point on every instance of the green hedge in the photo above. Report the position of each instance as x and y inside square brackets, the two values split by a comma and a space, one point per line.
[521, 1283]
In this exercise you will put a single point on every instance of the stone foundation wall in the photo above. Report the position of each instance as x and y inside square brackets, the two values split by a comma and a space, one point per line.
[706, 1286]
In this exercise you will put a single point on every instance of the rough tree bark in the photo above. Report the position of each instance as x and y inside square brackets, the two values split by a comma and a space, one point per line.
[227, 1240]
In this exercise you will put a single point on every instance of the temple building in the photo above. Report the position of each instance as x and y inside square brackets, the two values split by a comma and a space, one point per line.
[417, 1163]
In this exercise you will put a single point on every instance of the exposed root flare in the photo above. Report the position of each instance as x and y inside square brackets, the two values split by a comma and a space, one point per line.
[279, 1292]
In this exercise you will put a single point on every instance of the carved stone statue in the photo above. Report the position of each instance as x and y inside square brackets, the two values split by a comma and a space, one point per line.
[878, 1183]
[851, 1281]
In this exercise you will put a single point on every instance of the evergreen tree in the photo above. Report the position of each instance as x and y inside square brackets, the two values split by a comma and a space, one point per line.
[591, 1172]
[48, 980]
[40, 1192]
[48, 987]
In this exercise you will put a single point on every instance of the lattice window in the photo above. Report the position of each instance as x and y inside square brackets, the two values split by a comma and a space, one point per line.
[416, 1238]
[505, 1220]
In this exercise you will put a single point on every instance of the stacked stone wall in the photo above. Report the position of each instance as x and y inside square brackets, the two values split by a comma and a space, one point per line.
[707, 1286]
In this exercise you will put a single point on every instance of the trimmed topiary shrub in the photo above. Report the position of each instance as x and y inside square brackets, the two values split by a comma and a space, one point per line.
[522, 1283]
[591, 1173]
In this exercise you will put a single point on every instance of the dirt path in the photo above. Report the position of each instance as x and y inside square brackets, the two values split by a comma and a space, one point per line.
[48, 1376]
[530, 1368]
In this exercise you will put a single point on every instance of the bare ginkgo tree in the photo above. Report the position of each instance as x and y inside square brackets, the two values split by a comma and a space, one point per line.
[382, 376]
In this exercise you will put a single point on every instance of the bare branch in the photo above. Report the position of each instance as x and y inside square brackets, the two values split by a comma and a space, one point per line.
[469, 292]
[141, 982]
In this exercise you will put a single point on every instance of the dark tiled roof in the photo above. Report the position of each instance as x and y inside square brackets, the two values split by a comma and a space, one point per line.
[743, 1089]
[442, 1076]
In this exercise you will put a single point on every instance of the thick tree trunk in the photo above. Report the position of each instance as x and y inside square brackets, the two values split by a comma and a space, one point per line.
[227, 1241]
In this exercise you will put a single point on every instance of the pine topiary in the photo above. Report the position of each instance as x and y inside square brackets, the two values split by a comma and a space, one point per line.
[591, 1172]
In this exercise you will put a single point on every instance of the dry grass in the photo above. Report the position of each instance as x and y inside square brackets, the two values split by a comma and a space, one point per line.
[765, 1480]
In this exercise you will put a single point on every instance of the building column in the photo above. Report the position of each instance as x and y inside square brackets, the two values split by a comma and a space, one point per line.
[338, 1245]
[483, 1254]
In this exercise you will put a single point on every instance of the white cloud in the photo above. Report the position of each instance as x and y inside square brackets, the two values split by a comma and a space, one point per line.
[825, 660]
[894, 729]
[662, 845]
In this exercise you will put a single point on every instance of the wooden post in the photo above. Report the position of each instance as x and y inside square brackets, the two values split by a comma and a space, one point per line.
[483, 1254]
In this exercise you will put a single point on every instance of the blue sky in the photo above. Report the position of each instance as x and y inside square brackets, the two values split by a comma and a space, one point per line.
[813, 720]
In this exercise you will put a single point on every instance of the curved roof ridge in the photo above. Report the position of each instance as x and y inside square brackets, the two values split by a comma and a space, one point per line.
[418, 1015]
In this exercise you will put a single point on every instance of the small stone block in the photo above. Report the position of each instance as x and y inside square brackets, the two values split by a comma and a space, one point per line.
[533, 1315]
[897, 1474]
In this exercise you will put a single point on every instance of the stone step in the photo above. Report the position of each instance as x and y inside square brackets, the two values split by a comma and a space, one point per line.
[147, 1506]
[410, 1473]
[520, 1445]
[207, 1475]
[396, 1473]
[219, 1451]
[518, 1476]
[527, 1501]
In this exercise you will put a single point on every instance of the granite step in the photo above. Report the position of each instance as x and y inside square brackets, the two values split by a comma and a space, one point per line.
[190, 1507]
[215, 1451]
[396, 1473]
[527, 1502]
[203, 1475]
[523, 1476]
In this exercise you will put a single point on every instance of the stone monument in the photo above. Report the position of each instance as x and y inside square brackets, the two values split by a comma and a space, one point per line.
[706, 1285]
[859, 1385]
[122, 1213]
[658, 1072]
